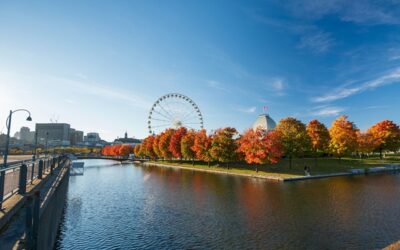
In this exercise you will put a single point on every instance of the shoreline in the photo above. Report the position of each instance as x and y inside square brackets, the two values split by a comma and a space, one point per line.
[390, 168]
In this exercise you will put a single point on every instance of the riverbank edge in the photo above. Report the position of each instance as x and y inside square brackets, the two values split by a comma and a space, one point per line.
[383, 169]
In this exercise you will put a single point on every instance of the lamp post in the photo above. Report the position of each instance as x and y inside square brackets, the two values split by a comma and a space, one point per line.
[35, 147]
[8, 124]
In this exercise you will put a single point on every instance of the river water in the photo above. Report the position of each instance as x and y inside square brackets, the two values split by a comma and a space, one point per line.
[114, 206]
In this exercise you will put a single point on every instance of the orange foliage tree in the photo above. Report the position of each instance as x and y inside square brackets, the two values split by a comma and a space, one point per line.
[366, 143]
[260, 147]
[387, 135]
[124, 150]
[319, 136]
[175, 142]
[202, 146]
[223, 146]
[148, 149]
[343, 135]
[163, 145]
[187, 144]
[294, 138]
[156, 149]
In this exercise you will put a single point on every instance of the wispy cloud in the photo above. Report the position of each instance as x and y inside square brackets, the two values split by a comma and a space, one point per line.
[366, 12]
[346, 91]
[278, 85]
[249, 110]
[318, 42]
[103, 91]
[217, 85]
[310, 36]
[326, 111]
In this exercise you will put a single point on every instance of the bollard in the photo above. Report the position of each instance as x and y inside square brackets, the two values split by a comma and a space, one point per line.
[22, 179]
[36, 217]
[2, 178]
[28, 223]
[40, 170]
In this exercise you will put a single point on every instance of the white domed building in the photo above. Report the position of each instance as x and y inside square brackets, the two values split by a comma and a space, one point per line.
[264, 121]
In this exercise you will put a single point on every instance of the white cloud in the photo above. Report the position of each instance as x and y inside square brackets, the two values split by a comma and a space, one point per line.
[249, 110]
[104, 91]
[346, 91]
[217, 85]
[317, 42]
[326, 111]
[278, 84]
[366, 12]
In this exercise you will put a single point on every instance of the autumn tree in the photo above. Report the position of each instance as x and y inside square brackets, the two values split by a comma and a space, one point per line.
[319, 136]
[223, 146]
[343, 135]
[366, 143]
[156, 149]
[163, 144]
[187, 144]
[136, 150]
[115, 149]
[294, 138]
[124, 150]
[260, 147]
[175, 142]
[202, 146]
[148, 149]
[387, 135]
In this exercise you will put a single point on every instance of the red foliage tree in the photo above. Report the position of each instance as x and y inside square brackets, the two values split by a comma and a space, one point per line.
[260, 147]
[124, 150]
[202, 146]
[156, 149]
[175, 142]
[148, 146]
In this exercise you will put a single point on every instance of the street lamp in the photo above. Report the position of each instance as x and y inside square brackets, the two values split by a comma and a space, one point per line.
[8, 124]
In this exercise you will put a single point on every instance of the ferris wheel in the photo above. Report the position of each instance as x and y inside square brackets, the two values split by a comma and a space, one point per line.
[174, 111]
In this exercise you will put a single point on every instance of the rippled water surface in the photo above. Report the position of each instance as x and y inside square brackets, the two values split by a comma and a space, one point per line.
[130, 207]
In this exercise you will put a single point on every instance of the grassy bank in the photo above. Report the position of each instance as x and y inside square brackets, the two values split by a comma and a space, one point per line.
[282, 170]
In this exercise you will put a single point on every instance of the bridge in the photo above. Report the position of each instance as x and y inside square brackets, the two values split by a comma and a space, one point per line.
[114, 158]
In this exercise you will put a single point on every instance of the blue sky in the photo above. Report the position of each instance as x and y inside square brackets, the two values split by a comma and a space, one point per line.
[100, 65]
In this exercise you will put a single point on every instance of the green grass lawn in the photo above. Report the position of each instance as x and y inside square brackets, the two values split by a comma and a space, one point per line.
[281, 169]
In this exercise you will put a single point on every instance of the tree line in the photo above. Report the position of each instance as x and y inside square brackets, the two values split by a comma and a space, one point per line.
[291, 138]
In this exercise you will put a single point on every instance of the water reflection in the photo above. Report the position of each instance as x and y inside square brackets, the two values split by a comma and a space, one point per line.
[129, 207]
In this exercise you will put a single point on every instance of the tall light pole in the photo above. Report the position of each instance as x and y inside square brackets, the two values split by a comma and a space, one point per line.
[8, 124]
[35, 147]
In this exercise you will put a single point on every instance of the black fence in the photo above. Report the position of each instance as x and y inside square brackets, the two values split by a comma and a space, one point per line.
[16, 176]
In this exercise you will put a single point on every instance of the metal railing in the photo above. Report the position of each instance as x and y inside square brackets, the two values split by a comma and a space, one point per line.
[17, 175]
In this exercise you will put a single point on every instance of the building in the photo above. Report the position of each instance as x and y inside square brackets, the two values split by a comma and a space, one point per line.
[75, 136]
[53, 134]
[126, 140]
[264, 121]
[92, 137]
[26, 135]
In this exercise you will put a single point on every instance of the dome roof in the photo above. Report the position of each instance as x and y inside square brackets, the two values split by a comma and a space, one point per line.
[264, 121]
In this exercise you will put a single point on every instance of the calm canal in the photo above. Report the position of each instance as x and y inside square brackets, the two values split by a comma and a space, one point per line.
[117, 206]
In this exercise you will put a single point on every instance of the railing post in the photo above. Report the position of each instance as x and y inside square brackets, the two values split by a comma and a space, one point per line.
[2, 178]
[28, 223]
[53, 162]
[36, 217]
[59, 161]
[40, 170]
[33, 172]
[22, 179]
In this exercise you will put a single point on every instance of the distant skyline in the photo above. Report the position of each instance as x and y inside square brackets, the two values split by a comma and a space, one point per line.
[100, 65]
